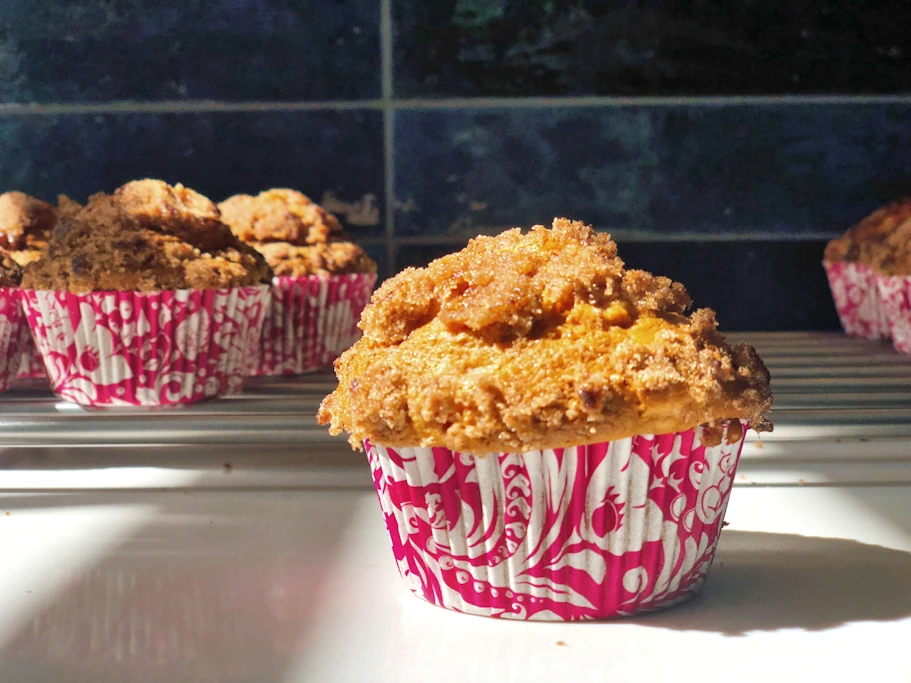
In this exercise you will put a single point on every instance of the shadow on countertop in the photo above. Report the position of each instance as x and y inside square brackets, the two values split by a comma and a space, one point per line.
[766, 582]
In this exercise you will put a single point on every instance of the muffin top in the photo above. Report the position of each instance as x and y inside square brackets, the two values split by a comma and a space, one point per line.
[10, 271]
[297, 236]
[879, 240]
[538, 340]
[25, 222]
[328, 258]
[146, 236]
[279, 215]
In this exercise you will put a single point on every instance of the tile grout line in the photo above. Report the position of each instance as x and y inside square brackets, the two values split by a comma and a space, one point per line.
[387, 102]
[631, 237]
[388, 131]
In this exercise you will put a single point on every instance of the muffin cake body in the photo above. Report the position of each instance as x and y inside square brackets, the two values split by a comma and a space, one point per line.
[551, 435]
[144, 297]
[321, 284]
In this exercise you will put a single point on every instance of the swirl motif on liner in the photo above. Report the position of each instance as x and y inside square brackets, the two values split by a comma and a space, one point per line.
[155, 348]
[12, 341]
[587, 532]
[895, 295]
[312, 320]
[857, 300]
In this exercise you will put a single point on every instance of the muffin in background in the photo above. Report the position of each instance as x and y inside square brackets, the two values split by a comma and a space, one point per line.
[322, 281]
[11, 319]
[868, 270]
[144, 297]
[25, 226]
[552, 436]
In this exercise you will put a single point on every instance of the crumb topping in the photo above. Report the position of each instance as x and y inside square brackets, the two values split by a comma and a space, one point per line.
[537, 340]
[146, 236]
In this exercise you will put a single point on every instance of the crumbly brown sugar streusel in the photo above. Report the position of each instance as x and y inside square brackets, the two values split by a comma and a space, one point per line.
[146, 236]
[538, 340]
[297, 236]
[882, 240]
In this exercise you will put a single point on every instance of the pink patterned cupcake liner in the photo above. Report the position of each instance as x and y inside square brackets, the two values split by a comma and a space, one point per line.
[588, 532]
[31, 364]
[857, 299]
[11, 323]
[147, 349]
[312, 320]
[895, 295]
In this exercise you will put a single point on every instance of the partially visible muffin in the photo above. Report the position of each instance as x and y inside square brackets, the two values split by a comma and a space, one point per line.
[27, 222]
[528, 341]
[10, 271]
[296, 235]
[146, 236]
[881, 240]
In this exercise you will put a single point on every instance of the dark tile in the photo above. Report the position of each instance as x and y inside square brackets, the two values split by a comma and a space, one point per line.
[380, 254]
[608, 47]
[92, 51]
[751, 285]
[794, 169]
[217, 154]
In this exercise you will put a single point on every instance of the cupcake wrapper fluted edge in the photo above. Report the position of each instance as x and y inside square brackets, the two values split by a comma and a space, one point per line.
[588, 532]
[146, 348]
[11, 323]
[312, 320]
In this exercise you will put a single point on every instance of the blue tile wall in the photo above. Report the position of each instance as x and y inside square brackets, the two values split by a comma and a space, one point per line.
[791, 169]
[718, 140]
[95, 51]
[606, 47]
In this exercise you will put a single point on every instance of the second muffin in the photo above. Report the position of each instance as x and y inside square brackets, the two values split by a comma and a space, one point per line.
[322, 282]
[144, 297]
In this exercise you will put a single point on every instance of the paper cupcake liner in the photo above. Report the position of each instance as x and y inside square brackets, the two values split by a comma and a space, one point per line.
[31, 364]
[312, 320]
[588, 532]
[146, 349]
[857, 299]
[11, 323]
[895, 297]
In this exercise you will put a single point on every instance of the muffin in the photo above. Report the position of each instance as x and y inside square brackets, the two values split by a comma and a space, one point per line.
[11, 319]
[868, 270]
[322, 282]
[144, 297]
[551, 435]
[25, 225]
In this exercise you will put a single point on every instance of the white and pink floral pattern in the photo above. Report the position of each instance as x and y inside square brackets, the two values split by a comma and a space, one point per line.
[588, 532]
[312, 321]
[857, 300]
[11, 324]
[147, 349]
[895, 295]
[31, 364]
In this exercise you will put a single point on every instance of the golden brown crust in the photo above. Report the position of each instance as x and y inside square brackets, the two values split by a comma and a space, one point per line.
[538, 340]
[146, 236]
[880, 240]
[10, 271]
[279, 215]
[331, 258]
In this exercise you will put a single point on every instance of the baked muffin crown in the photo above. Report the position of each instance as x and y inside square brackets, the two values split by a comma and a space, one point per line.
[873, 241]
[538, 340]
[297, 236]
[279, 215]
[25, 221]
[10, 271]
[145, 236]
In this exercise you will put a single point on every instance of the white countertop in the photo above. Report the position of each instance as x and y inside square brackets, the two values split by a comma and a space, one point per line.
[159, 564]
[262, 586]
